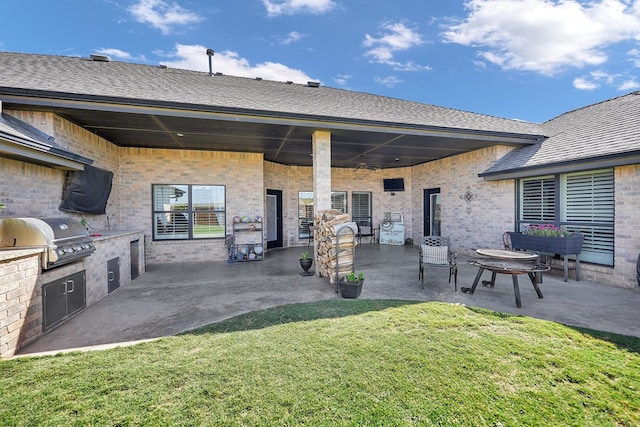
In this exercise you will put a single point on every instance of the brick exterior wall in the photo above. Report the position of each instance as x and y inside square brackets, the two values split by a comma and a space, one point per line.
[20, 307]
[30, 190]
[627, 226]
[241, 173]
[36, 191]
[478, 221]
[321, 170]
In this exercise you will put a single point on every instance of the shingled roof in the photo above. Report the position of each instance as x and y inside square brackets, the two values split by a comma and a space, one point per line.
[85, 78]
[598, 135]
[28, 142]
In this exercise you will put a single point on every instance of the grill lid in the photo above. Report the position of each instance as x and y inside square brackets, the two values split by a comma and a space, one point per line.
[64, 239]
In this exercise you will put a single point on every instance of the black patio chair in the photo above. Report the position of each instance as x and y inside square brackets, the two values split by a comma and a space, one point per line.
[435, 252]
[310, 229]
[365, 230]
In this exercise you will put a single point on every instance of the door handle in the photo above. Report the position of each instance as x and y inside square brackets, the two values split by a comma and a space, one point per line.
[111, 276]
[69, 289]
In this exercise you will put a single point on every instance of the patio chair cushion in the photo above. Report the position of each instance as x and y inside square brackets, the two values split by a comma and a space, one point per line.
[438, 255]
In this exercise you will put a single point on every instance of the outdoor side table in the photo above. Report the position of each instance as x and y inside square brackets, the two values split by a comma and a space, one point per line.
[507, 266]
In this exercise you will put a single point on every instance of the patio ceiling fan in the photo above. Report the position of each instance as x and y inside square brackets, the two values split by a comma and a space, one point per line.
[366, 166]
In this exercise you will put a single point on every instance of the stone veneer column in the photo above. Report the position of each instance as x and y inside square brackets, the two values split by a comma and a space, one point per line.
[321, 170]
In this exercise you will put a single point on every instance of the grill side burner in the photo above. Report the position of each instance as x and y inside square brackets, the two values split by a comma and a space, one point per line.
[65, 240]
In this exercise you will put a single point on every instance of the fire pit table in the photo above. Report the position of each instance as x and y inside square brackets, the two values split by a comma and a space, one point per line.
[507, 262]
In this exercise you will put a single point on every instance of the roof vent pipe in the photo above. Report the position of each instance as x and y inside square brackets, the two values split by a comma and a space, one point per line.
[210, 53]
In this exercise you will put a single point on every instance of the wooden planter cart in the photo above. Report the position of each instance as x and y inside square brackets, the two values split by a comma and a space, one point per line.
[564, 246]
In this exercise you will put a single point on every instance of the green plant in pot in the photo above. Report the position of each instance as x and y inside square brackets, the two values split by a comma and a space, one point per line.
[305, 263]
[350, 286]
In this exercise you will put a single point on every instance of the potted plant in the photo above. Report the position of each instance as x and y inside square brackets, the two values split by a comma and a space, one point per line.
[305, 263]
[350, 285]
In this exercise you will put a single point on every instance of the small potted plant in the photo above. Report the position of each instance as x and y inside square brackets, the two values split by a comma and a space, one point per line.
[350, 286]
[305, 263]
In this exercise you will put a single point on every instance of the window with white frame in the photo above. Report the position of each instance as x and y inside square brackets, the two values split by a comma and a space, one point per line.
[305, 209]
[577, 201]
[188, 212]
[305, 213]
[339, 201]
[361, 207]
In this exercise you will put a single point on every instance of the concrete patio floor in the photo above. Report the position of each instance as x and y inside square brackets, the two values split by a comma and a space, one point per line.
[169, 299]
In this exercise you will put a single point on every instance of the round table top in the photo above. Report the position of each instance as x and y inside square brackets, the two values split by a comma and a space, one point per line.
[508, 266]
[504, 254]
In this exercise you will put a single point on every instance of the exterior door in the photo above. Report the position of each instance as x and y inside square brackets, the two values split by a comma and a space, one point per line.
[432, 216]
[273, 219]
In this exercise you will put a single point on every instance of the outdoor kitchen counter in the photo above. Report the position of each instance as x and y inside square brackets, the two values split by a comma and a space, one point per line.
[98, 235]
[119, 257]
[8, 253]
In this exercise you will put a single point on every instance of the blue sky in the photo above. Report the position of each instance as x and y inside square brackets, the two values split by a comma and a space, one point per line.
[523, 59]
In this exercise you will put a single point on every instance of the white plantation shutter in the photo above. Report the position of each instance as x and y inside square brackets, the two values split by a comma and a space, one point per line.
[361, 206]
[585, 203]
[589, 207]
[538, 197]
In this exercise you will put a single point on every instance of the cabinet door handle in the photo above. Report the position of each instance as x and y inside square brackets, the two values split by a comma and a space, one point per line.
[71, 288]
[111, 276]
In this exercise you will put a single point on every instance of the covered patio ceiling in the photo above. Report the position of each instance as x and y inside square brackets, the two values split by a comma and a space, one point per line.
[283, 139]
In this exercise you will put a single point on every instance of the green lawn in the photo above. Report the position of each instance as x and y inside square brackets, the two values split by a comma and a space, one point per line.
[210, 230]
[341, 362]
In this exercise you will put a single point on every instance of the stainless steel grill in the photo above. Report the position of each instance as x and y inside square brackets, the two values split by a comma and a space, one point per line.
[65, 240]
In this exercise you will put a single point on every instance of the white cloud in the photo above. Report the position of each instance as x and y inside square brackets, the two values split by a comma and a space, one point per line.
[594, 80]
[292, 37]
[583, 83]
[397, 37]
[194, 57]
[628, 85]
[410, 66]
[292, 7]
[545, 36]
[115, 53]
[634, 54]
[389, 81]
[342, 79]
[163, 15]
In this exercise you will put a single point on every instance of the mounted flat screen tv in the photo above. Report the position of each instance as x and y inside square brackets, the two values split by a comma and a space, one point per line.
[393, 184]
[87, 191]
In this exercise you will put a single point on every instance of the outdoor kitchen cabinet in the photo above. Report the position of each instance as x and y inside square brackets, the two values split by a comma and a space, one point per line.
[62, 298]
[113, 274]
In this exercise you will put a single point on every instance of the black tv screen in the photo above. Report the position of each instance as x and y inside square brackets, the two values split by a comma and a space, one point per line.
[87, 191]
[393, 184]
